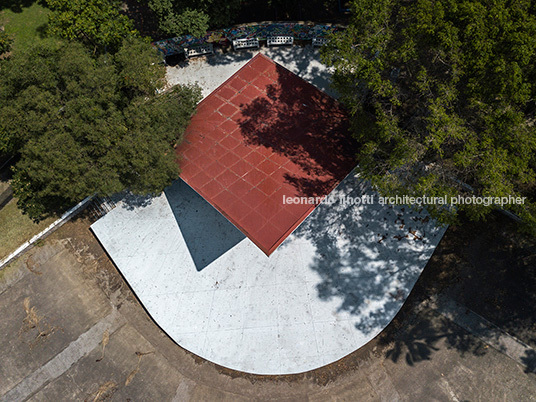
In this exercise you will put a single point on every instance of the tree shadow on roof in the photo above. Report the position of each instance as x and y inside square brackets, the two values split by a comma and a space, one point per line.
[207, 233]
[296, 120]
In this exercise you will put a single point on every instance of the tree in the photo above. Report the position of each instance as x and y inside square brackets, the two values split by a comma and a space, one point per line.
[174, 21]
[84, 125]
[5, 42]
[442, 98]
[95, 22]
[177, 17]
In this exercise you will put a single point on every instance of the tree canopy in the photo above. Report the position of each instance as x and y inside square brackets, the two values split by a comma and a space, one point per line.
[5, 42]
[442, 98]
[95, 22]
[83, 125]
[180, 17]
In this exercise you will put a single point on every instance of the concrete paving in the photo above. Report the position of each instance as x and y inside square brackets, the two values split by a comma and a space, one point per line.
[472, 373]
[486, 331]
[330, 288]
[210, 72]
[54, 368]
[422, 356]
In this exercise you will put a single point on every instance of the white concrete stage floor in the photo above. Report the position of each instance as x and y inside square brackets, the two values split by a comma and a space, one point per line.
[332, 286]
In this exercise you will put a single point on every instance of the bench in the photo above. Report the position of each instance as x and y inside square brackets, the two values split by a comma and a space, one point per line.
[198, 50]
[280, 40]
[318, 41]
[245, 43]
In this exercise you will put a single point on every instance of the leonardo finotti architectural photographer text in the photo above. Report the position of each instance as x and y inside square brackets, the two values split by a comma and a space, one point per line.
[369, 199]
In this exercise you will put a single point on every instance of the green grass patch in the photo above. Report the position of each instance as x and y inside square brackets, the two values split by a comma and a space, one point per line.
[16, 228]
[27, 25]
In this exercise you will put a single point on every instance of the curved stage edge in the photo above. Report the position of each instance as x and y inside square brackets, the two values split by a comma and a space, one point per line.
[330, 288]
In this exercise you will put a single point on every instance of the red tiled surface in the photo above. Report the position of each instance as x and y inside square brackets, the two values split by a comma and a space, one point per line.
[263, 134]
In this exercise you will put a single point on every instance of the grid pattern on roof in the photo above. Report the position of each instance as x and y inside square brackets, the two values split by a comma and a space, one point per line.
[263, 135]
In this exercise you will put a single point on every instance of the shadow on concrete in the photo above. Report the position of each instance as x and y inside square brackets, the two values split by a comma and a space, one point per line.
[207, 233]
[6, 196]
[230, 56]
[499, 277]
[530, 361]
[487, 267]
[420, 337]
[301, 60]
[218, 59]
[370, 259]
[133, 201]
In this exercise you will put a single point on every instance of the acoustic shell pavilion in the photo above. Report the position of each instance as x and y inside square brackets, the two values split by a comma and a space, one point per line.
[234, 272]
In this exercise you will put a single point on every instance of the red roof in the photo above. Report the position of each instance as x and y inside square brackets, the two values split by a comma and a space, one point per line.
[263, 134]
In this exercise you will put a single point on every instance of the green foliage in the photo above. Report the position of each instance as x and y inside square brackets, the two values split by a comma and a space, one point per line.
[175, 21]
[95, 22]
[5, 42]
[85, 125]
[442, 94]
[140, 70]
[25, 23]
[177, 17]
